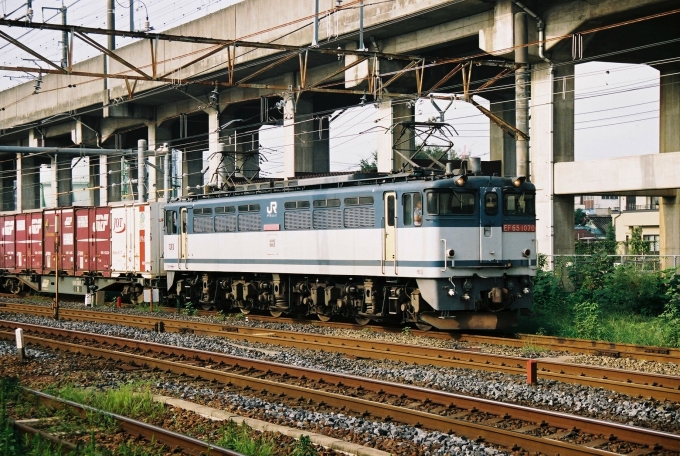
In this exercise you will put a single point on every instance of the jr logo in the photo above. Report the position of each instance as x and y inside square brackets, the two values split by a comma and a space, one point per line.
[35, 227]
[101, 222]
[271, 210]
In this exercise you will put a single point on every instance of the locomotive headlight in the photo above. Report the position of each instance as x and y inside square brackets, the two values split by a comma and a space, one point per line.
[526, 253]
[526, 291]
[519, 181]
[452, 292]
[461, 180]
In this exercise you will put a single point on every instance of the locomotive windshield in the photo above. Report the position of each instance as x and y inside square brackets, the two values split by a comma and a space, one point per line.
[521, 204]
[450, 203]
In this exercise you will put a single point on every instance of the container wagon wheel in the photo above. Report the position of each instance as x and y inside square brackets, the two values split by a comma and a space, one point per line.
[207, 306]
[323, 317]
[275, 313]
[362, 320]
[423, 326]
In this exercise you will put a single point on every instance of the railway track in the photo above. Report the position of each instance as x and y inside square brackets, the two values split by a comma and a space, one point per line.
[633, 383]
[511, 426]
[150, 433]
[595, 347]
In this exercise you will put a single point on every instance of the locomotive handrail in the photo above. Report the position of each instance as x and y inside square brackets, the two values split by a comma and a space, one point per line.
[445, 266]
[382, 246]
[396, 226]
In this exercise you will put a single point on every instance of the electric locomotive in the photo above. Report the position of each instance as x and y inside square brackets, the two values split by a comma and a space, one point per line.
[452, 250]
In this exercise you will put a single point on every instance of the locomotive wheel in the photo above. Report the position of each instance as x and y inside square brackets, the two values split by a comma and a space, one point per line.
[244, 311]
[206, 306]
[323, 317]
[423, 326]
[363, 321]
[275, 313]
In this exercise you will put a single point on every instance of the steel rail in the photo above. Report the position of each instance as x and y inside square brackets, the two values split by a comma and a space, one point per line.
[634, 383]
[642, 352]
[650, 438]
[150, 432]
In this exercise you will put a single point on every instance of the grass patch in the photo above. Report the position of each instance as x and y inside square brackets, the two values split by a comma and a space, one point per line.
[239, 438]
[134, 401]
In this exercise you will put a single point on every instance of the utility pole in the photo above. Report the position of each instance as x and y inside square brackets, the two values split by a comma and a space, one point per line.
[132, 15]
[64, 34]
[55, 304]
[111, 22]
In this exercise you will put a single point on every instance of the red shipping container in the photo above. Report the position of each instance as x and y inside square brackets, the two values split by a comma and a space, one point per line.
[93, 240]
[7, 250]
[35, 235]
[102, 236]
[66, 247]
[21, 242]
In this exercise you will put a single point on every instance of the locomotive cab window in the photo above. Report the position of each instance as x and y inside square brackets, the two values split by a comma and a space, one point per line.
[491, 203]
[519, 204]
[450, 203]
[412, 204]
[170, 222]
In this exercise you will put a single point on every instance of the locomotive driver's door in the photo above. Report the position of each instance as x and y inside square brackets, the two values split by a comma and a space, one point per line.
[183, 234]
[390, 238]
[491, 226]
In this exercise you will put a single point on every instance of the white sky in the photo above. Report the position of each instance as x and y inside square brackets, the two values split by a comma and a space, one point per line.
[616, 105]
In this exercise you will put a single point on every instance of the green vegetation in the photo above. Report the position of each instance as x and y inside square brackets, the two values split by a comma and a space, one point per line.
[595, 298]
[238, 438]
[304, 447]
[134, 401]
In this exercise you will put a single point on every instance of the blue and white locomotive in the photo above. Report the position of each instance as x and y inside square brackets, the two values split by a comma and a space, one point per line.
[449, 250]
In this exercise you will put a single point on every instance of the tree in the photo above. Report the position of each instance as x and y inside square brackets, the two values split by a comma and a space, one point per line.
[369, 164]
[635, 244]
[579, 217]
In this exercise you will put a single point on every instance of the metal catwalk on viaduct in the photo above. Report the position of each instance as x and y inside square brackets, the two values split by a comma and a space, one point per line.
[212, 83]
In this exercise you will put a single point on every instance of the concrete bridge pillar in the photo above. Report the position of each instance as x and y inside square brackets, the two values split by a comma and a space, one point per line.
[502, 144]
[114, 178]
[157, 136]
[669, 141]
[28, 184]
[306, 140]
[389, 114]
[103, 180]
[216, 159]
[552, 141]
[192, 175]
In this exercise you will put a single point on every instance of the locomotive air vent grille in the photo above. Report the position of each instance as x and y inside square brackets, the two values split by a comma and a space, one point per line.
[203, 224]
[359, 217]
[249, 222]
[225, 223]
[297, 220]
[326, 219]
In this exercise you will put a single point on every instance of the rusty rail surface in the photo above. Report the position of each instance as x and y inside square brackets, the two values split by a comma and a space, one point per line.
[565, 423]
[633, 383]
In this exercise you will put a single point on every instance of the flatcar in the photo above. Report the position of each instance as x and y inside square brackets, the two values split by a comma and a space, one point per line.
[452, 250]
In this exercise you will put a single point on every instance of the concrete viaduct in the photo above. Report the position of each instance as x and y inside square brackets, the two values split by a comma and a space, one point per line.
[212, 83]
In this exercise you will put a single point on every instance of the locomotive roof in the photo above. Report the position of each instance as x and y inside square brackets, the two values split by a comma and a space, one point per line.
[427, 180]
